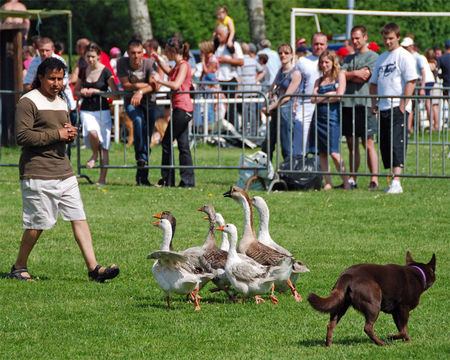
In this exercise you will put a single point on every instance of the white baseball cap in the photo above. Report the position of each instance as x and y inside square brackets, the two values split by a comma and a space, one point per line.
[407, 42]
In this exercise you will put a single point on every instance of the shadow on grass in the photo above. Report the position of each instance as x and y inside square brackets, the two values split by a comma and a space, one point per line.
[346, 341]
[148, 302]
[4, 275]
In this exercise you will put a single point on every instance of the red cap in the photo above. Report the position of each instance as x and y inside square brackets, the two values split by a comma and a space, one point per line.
[300, 42]
[373, 46]
[343, 51]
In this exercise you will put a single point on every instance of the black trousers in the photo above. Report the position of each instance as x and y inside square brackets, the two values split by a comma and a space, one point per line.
[180, 132]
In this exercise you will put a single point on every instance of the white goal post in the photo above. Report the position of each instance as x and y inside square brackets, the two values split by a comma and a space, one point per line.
[314, 12]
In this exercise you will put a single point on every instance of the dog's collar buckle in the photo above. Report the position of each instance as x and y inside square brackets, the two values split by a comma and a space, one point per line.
[423, 275]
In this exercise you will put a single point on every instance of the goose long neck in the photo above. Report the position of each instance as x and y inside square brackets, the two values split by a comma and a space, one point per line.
[225, 243]
[167, 239]
[232, 248]
[264, 219]
[210, 238]
[249, 230]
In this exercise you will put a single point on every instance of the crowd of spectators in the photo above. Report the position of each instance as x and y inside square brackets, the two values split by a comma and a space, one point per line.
[231, 68]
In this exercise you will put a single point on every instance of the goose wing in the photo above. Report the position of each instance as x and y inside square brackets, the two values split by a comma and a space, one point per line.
[168, 256]
[264, 254]
[216, 257]
[248, 271]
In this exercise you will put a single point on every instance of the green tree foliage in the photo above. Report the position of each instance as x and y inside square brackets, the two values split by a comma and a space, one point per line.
[103, 21]
[107, 21]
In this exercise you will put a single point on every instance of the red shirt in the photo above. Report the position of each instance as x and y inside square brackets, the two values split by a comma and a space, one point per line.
[182, 101]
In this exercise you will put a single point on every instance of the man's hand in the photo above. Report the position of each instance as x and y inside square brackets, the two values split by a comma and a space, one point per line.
[374, 109]
[68, 132]
[365, 74]
[136, 98]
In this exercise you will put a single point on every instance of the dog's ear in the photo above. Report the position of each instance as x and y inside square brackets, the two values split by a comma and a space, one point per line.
[432, 262]
[409, 259]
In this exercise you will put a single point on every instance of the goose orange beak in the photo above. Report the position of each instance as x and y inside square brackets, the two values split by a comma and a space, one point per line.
[206, 218]
[156, 223]
[158, 216]
[200, 209]
[220, 228]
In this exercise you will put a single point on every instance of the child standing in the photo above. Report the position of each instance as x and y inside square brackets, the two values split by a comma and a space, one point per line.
[224, 19]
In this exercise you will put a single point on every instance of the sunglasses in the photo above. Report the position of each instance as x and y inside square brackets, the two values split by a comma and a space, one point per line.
[170, 42]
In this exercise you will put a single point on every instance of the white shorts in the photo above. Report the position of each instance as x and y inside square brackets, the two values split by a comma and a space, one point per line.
[99, 121]
[44, 199]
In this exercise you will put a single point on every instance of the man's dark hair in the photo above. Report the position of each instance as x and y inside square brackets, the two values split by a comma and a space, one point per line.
[359, 28]
[59, 47]
[134, 42]
[46, 66]
[391, 27]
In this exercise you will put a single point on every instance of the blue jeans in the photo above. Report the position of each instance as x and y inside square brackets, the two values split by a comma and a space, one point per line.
[142, 129]
[286, 124]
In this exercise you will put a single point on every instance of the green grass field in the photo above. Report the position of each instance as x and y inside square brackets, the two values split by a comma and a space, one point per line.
[63, 315]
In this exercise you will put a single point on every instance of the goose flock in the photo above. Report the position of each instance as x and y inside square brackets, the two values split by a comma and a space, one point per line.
[254, 267]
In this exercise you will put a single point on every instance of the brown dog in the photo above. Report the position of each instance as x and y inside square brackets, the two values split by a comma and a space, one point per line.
[369, 288]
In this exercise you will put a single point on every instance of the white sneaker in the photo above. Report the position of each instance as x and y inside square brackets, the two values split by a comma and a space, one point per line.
[394, 188]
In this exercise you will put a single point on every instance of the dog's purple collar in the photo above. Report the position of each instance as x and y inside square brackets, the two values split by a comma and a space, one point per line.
[423, 275]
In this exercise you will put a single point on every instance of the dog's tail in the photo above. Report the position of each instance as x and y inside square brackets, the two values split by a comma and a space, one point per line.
[335, 300]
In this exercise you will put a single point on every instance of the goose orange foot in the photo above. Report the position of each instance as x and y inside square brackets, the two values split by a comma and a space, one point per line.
[273, 299]
[196, 303]
[259, 299]
[295, 293]
[297, 296]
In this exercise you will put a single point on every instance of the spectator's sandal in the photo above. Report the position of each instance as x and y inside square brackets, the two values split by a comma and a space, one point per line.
[17, 274]
[110, 273]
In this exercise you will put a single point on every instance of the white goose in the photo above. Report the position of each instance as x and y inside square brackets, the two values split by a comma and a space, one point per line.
[265, 238]
[250, 246]
[225, 245]
[173, 271]
[247, 276]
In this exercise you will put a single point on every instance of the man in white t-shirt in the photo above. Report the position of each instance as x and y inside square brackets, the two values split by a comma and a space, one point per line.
[304, 110]
[394, 75]
[46, 49]
[424, 73]
[227, 67]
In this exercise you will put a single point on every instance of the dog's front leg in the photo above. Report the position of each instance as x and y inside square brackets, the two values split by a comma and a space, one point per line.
[401, 317]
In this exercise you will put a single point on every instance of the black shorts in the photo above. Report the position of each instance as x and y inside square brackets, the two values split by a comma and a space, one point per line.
[393, 148]
[361, 112]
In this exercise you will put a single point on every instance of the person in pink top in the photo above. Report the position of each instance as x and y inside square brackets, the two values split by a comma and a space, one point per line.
[179, 79]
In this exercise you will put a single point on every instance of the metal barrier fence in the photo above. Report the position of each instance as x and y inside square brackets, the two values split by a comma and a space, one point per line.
[211, 124]
[427, 151]
[248, 128]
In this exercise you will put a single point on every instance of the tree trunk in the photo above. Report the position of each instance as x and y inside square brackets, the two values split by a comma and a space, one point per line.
[256, 20]
[140, 19]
